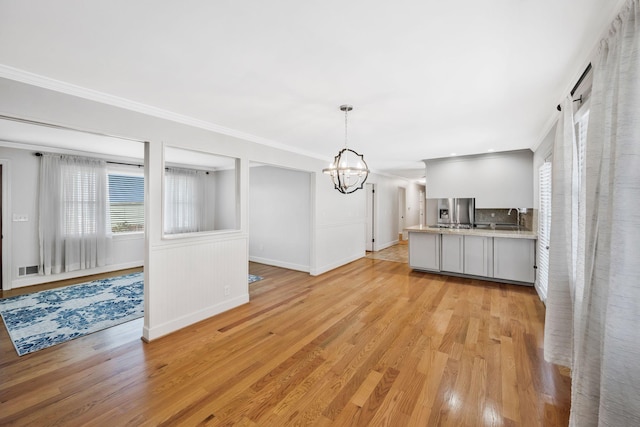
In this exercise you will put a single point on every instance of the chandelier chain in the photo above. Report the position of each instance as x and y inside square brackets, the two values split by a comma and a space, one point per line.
[346, 111]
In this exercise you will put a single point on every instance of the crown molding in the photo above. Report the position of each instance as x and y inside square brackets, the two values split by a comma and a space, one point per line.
[33, 79]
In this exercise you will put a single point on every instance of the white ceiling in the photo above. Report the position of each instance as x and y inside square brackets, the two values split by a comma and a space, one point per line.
[426, 78]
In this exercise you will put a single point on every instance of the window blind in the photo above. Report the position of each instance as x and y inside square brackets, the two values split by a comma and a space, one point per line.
[126, 203]
[544, 228]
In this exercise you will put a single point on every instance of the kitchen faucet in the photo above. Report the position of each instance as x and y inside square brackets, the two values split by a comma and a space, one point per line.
[518, 213]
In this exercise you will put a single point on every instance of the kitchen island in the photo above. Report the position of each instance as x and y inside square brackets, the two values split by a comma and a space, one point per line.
[494, 254]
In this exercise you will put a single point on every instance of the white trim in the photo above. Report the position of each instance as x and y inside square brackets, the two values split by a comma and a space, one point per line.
[33, 79]
[380, 247]
[38, 280]
[150, 334]
[582, 111]
[536, 285]
[334, 265]
[22, 76]
[282, 264]
[549, 124]
[57, 150]
[7, 224]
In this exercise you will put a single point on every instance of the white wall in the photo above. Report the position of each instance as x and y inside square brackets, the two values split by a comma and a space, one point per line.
[225, 214]
[128, 249]
[279, 217]
[386, 217]
[496, 180]
[544, 151]
[413, 203]
[190, 278]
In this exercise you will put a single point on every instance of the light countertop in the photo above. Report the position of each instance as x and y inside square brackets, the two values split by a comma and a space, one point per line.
[484, 232]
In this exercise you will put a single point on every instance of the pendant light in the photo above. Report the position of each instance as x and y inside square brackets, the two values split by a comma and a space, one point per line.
[348, 171]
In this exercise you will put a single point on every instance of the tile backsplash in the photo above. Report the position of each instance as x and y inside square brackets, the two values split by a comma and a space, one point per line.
[501, 216]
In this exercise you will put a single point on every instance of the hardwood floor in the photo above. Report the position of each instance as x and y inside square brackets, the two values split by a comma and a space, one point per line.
[396, 253]
[370, 343]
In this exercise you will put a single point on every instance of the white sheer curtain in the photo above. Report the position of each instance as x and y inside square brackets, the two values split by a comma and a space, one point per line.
[74, 225]
[606, 371]
[558, 331]
[185, 201]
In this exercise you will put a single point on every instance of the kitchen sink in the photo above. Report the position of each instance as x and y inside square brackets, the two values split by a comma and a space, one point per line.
[499, 227]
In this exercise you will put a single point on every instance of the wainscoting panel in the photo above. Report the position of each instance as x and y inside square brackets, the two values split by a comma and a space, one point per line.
[192, 281]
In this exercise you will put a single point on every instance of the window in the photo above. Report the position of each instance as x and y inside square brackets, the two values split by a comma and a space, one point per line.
[126, 203]
[200, 192]
[81, 199]
[544, 228]
[185, 201]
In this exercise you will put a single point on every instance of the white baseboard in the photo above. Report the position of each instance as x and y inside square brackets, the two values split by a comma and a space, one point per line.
[38, 280]
[328, 267]
[386, 245]
[541, 295]
[155, 332]
[282, 264]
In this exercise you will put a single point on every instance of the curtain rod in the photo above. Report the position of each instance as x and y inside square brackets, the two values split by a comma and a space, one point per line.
[38, 154]
[169, 168]
[51, 125]
[577, 85]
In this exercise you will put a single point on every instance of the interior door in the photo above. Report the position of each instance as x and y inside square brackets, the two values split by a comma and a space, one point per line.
[370, 200]
[402, 211]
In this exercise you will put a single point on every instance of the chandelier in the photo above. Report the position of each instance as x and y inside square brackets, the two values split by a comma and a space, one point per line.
[348, 171]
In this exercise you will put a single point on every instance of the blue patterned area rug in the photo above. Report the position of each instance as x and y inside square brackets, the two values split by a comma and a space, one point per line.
[42, 319]
[254, 278]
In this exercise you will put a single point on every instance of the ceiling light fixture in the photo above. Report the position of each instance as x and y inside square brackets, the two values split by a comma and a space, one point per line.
[348, 171]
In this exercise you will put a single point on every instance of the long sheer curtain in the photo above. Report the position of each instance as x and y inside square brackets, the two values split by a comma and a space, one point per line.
[558, 332]
[74, 225]
[593, 305]
[606, 371]
[185, 201]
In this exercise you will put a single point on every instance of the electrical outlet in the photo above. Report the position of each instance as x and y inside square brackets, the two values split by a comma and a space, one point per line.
[227, 291]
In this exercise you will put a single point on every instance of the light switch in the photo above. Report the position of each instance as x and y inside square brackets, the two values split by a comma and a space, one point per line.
[20, 217]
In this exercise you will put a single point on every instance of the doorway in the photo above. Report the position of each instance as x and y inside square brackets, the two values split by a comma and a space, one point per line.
[370, 236]
[402, 211]
[5, 242]
[280, 215]
[1, 231]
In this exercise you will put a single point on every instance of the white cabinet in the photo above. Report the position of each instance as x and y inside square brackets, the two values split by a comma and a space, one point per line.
[514, 259]
[452, 253]
[478, 256]
[424, 251]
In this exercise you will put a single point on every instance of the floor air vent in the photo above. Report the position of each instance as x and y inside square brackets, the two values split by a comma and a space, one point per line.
[27, 271]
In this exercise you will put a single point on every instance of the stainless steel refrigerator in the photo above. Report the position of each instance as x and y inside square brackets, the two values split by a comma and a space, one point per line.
[456, 213]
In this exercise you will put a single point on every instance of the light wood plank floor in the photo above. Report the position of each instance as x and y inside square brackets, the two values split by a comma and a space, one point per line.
[370, 343]
[397, 253]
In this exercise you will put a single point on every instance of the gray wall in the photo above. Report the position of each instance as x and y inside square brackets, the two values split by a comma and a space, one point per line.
[496, 180]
